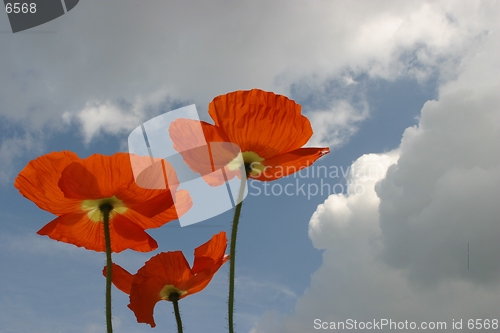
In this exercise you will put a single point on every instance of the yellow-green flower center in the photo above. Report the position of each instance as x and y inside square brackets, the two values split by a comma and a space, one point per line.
[168, 290]
[251, 160]
[92, 207]
[252, 163]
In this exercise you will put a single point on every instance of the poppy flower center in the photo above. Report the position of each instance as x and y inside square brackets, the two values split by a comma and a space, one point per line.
[252, 160]
[93, 208]
[170, 290]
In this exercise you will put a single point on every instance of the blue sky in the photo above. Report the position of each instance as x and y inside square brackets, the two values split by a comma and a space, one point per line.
[404, 93]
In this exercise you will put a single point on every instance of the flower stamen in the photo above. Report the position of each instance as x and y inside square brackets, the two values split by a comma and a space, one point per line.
[94, 208]
[169, 292]
[253, 165]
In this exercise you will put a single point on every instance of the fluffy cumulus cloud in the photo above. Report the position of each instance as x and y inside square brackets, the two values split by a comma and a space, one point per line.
[443, 192]
[421, 242]
[339, 218]
[96, 64]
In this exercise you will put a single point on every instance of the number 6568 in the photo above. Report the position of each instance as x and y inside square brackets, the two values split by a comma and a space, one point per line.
[18, 7]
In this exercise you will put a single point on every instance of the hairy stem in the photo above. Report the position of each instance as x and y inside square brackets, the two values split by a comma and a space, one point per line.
[232, 256]
[106, 210]
[174, 298]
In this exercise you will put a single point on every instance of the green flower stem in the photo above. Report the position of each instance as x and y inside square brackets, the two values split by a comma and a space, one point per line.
[174, 298]
[232, 256]
[106, 210]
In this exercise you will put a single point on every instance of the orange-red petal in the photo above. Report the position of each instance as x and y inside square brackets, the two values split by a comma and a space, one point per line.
[261, 122]
[198, 282]
[286, 164]
[169, 269]
[188, 133]
[183, 203]
[192, 139]
[211, 253]
[205, 149]
[77, 182]
[115, 177]
[64, 184]
[38, 182]
[127, 235]
[79, 230]
[154, 173]
[153, 206]
[146, 201]
[209, 257]
[121, 278]
[161, 270]
[113, 173]
[144, 295]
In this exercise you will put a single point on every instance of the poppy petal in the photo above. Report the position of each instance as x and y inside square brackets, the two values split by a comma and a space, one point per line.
[187, 134]
[191, 138]
[121, 278]
[206, 150]
[183, 203]
[153, 189]
[38, 182]
[72, 178]
[154, 173]
[153, 206]
[76, 229]
[202, 279]
[209, 257]
[210, 253]
[144, 295]
[111, 172]
[199, 282]
[289, 163]
[127, 235]
[79, 230]
[169, 272]
[115, 176]
[261, 122]
[169, 268]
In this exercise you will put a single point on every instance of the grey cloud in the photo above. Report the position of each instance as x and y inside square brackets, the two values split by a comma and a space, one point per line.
[399, 250]
[442, 193]
[102, 52]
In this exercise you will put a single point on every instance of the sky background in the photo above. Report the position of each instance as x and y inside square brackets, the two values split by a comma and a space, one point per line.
[405, 93]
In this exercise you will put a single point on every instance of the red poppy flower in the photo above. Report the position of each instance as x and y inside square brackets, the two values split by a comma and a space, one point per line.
[74, 189]
[169, 273]
[268, 128]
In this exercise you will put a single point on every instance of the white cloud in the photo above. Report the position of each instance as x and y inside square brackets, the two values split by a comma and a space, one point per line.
[399, 250]
[105, 117]
[96, 56]
[335, 126]
[339, 217]
[443, 191]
